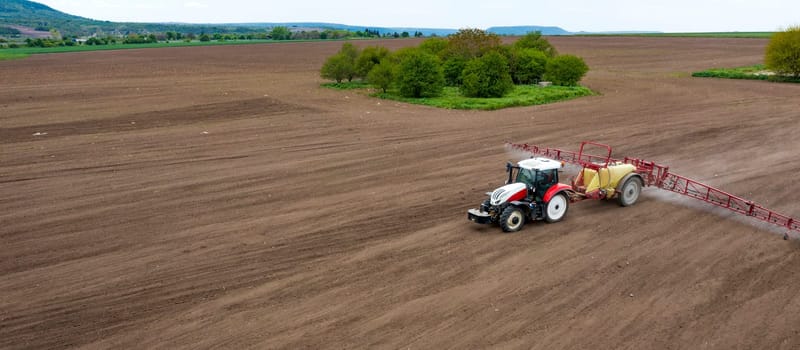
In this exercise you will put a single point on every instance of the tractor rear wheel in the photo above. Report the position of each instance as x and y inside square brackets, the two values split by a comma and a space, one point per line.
[630, 192]
[512, 219]
[556, 208]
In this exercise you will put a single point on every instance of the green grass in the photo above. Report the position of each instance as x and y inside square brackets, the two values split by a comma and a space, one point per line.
[347, 85]
[522, 95]
[746, 72]
[695, 35]
[6, 55]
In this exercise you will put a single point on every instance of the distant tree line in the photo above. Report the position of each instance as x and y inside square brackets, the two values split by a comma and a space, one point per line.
[275, 33]
[473, 60]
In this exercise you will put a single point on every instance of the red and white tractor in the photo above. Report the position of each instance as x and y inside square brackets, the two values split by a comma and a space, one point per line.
[532, 191]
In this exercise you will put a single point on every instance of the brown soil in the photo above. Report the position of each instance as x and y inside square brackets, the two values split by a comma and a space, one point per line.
[218, 197]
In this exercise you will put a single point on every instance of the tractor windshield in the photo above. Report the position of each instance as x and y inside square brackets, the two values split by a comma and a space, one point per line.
[526, 176]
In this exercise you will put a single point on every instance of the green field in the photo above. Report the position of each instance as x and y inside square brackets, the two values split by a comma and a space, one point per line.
[451, 98]
[78, 48]
[12, 55]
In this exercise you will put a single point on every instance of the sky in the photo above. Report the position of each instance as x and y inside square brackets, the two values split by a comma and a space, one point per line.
[572, 15]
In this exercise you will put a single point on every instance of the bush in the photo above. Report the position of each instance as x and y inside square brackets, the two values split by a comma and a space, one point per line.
[370, 57]
[434, 46]
[453, 69]
[527, 66]
[534, 40]
[565, 70]
[280, 33]
[342, 65]
[487, 76]
[783, 52]
[143, 39]
[382, 75]
[338, 67]
[420, 75]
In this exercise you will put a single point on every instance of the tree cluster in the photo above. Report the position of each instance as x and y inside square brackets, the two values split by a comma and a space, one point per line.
[130, 37]
[475, 61]
[39, 42]
[139, 39]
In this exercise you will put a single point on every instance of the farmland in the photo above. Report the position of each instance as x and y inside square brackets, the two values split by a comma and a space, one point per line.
[219, 197]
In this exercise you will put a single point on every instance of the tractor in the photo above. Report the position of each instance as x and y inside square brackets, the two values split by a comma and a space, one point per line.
[532, 191]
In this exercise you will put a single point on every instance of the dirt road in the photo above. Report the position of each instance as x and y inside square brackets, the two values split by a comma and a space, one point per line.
[217, 197]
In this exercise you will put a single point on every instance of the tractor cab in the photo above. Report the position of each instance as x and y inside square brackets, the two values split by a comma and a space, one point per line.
[538, 175]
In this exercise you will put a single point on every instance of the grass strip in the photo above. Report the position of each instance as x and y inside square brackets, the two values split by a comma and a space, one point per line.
[754, 72]
[4, 55]
[451, 98]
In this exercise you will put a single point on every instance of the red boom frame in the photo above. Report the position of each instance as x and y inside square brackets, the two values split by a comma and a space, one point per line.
[659, 176]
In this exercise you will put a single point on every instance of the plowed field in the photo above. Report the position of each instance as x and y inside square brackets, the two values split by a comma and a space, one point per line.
[218, 197]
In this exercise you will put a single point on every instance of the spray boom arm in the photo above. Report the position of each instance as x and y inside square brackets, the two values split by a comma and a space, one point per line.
[658, 175]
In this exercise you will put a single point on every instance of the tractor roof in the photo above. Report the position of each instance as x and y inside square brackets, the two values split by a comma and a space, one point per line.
[540, 163]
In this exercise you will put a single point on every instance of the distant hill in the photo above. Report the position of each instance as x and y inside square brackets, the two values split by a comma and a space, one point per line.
[352, 28]
[522, 30]
[43, 18]
[32, 17]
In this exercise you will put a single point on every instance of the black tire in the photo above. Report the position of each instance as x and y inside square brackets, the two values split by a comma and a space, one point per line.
[630, 191]
[556, 209]
[512, 219]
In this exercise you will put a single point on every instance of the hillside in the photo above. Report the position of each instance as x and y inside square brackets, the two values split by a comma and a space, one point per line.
[42, 18]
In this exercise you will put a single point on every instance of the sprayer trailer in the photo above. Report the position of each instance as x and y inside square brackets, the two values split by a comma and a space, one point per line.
[532, 191]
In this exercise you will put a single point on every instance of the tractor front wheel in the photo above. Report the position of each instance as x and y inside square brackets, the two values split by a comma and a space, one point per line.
[512, 219]
[556, 208]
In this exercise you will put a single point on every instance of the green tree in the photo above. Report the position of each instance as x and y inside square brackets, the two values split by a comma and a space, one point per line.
[420, 75]
[336, 67]
[565, 70]
[534, 40]
[436, 46]
[280, 33]
[351, 52]
[453, 68]
[369, 57]
[382, 75]
[487, 76]
[342, 65]
[471, 43]
[205, 37]
[783, 52]
[527, 66]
